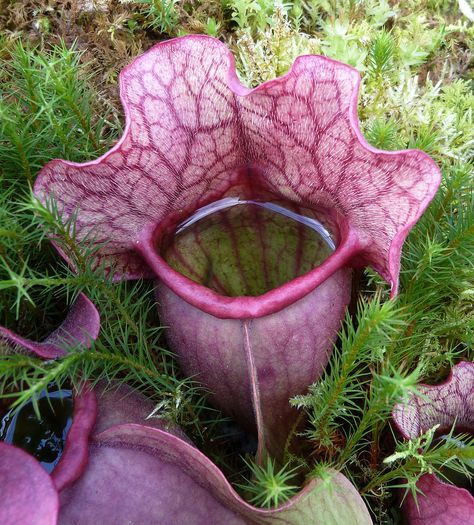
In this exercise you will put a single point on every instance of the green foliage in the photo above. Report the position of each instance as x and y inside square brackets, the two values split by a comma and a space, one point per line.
[271, 53]
[160, 15]
[254, 14]
[381, 54]
[269, 487]
[382, 134]
[380, 12]
[343, 41]
[426, 455]
[212, 27]
[346, 402]
[47, 109]
[417, 39]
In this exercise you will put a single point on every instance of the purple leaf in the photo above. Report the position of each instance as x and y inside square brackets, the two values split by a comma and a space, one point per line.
[139, 474]
[79, 329]
[119, 403]
[195, 137]
[28, 495]
[74, 458]
[192, 128]
[254, 366]
[447, 404]
[142, 475]
[146, 474]
[81, 325]
[439, 504]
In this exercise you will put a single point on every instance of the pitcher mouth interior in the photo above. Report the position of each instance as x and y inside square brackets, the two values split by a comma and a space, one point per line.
[152, 239]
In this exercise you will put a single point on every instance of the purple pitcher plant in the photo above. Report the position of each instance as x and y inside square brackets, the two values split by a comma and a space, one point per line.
[449, 404]
[250, 207]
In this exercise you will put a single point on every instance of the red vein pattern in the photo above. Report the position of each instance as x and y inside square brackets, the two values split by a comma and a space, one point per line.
[191, 125]
[447, 404]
